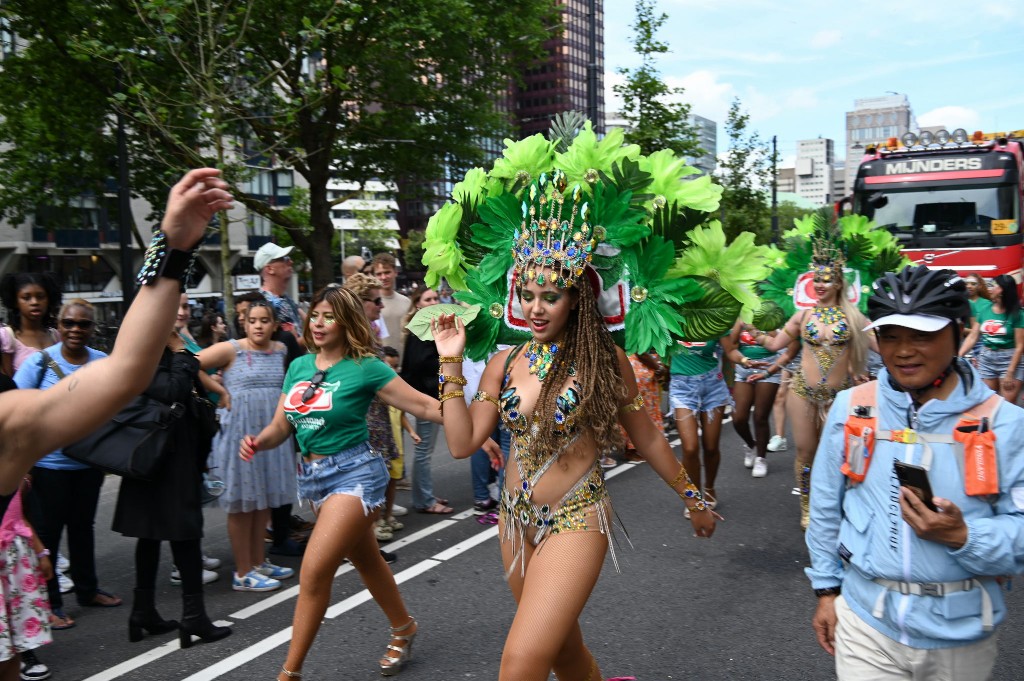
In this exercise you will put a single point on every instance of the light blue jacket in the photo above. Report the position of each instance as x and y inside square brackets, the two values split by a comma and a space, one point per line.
[862, 523]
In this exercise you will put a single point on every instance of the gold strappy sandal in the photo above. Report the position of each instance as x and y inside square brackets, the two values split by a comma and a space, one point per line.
[290, 675]
[389, 666]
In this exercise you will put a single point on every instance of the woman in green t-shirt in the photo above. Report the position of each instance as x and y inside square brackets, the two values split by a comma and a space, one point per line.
[698, 397]
[1000, 327]
[324, 403]
[977, 293]
[758, 376]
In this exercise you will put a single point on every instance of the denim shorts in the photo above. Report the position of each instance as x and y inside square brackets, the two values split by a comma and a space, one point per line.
[743, 373]
[359, 472]
[702, 392]
[993, 363]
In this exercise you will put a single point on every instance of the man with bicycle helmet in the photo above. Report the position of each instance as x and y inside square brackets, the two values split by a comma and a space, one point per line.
[908, 586]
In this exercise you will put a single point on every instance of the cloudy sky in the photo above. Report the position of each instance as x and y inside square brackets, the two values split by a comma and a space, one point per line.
[798, 65]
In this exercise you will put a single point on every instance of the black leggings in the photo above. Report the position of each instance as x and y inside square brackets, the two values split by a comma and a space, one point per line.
[281, 522]
[188, 558]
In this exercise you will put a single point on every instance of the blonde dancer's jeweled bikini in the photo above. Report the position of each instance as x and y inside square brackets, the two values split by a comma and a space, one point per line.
[826, 354]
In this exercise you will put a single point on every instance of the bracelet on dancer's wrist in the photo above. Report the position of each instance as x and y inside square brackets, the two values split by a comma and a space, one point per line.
[162, 261]
[443, 378]
[453, 359]
[451, 394]
[701, 505]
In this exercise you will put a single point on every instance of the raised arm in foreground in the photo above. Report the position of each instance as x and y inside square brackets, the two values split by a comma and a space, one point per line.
[33, 423]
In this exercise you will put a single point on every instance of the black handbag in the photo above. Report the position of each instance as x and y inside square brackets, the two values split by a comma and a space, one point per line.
[204, 419]
[133, 443]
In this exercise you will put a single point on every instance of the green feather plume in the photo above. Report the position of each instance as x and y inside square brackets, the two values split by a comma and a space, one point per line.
[737, 267]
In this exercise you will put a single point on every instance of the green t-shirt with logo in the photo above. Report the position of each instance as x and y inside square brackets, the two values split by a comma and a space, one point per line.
[334, 418]
[979, 304]
[695, 358]
[996, 329]
[750, 348]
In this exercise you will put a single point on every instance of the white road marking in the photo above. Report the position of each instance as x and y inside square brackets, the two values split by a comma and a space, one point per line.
[282, 637]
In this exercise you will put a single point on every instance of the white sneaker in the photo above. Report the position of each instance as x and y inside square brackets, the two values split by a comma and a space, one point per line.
[209, 576]
[383, 531]
[254, 581]
[760, 467]
[62, 564]
[210, 563]
[268, 569]
[748, 456]
[65, 583]
[397, 510]
[777, 444]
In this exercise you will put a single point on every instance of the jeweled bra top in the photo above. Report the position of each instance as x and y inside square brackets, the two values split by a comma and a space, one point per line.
[826, 315]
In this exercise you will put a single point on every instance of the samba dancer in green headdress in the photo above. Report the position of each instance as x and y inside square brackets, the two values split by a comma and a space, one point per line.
[826, 261]
[565, 243]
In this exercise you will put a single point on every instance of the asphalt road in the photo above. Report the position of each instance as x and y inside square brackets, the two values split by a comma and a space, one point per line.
[736, 607]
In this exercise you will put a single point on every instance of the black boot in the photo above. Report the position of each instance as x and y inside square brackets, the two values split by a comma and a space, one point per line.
[145, 616]
[194, 622]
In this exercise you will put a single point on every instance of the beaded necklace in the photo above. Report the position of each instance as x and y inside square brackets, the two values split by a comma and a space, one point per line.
[541, 357]
[829, 316]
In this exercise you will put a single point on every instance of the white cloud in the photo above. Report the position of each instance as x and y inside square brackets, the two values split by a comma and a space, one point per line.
[703, 91]
[707, 96]
[951, 117]
[1002, 11]
[826, 38]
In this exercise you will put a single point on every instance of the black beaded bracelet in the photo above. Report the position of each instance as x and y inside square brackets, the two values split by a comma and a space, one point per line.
[161, 261]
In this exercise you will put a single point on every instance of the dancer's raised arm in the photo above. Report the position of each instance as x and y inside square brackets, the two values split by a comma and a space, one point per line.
[33, 423]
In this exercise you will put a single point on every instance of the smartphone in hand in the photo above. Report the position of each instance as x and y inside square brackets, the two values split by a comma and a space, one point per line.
[915, 478]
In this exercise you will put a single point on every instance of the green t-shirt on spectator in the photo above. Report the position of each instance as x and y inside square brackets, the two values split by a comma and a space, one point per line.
[334, 418]
[997, 329]
[978, 305]
[695, 358]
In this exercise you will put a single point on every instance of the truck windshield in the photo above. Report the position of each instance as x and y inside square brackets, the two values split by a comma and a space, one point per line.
[940, 210]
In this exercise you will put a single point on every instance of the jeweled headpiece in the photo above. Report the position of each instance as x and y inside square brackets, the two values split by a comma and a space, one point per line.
[553, 236]
[827, 259]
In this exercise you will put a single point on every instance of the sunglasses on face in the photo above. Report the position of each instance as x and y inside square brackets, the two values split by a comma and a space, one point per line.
[285, 260]
[314, 385]
[84, 324]
[376, 301]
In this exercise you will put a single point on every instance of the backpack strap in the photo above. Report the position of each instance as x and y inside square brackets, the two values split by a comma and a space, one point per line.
[47, 361]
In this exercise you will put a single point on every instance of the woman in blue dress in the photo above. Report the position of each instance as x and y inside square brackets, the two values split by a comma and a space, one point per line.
[253, 374]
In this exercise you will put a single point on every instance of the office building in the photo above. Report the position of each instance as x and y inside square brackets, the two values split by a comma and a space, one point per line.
[785, 180]
[814, 160]
[707, 138]
[571, 77]
[874, 119]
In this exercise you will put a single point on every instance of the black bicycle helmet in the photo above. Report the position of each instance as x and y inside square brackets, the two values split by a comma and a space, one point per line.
[919, 291]
[916, 291]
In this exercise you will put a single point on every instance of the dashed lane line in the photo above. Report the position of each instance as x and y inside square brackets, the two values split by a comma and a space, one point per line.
[283, 636]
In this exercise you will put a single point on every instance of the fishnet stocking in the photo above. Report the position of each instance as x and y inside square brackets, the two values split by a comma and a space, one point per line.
[545, 634]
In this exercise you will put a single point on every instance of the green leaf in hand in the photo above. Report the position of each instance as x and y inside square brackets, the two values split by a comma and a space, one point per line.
[419, 325]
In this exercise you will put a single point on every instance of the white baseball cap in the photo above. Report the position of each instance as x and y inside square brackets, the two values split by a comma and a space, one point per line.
[268, 252]
[919, 322]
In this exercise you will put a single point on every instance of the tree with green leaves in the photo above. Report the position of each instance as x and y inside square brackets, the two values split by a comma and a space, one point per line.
[745, 173]
[657, 118]
[331, 90]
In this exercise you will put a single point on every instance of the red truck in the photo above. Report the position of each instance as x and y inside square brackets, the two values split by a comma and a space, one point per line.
[953, 200]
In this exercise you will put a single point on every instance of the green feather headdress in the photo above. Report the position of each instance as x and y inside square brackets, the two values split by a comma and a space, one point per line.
[643, 213]
[868, 252]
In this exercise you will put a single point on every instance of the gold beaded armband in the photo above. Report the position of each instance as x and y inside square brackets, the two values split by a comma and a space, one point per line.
[690, 491]
[481, 396]
[451, 394]
[636, 405]
[442, 379]
[454, 359]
